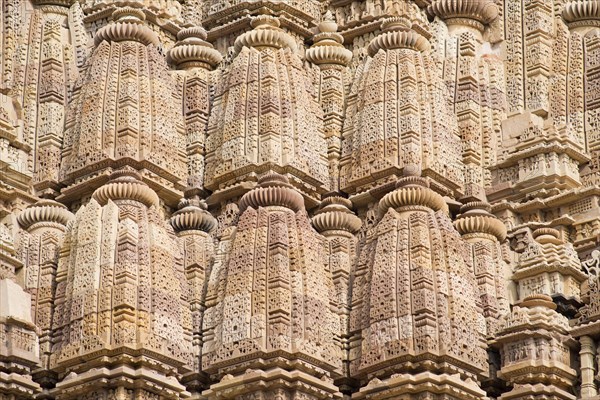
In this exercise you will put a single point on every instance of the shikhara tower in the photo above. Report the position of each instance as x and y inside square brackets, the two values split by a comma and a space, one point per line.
[299, 199]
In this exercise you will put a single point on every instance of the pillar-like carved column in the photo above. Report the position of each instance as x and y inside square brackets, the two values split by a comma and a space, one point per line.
[54, 71]
[194, 225]
[485, 232]
[469, 72]
[338, 224]
[195, 58]
[587, 358]
[19, 348]
[44, 224]
[329, 54]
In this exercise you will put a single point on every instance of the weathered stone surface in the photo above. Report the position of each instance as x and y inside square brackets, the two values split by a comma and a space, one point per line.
[19, 347]
[300, 199]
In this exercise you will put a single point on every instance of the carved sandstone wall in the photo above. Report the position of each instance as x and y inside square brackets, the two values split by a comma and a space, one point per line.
[299, 199]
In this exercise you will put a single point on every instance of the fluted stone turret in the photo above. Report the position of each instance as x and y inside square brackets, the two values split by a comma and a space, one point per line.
[271, 304]
[336, 221]
[476, 220]
[194, 225]
[420, 310]
[137, 122]
[128, 26]
[192, 216]
[470, 68]
[45, 213]
[329, 53]
[396, 115]
[397, 34]
[44, 226]
[266, 117]
[121, 295]
[195, 59]
[485, 233]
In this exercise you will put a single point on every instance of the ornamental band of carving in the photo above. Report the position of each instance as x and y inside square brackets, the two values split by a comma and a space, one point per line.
[299, 199]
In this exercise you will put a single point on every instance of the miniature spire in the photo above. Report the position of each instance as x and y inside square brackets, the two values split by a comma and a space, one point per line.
[328, 45]
[192, 50]
[193, 214]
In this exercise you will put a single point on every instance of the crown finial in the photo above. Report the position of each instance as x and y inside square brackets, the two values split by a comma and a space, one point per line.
[128, 25]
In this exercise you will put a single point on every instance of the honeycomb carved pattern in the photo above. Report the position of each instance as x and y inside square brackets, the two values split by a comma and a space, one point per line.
[376, 199]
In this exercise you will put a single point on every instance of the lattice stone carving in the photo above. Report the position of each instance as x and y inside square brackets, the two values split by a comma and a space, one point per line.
[272, 302]
[590, 289]
[336, 221]
[194, 225]
[195, 57]
[528, 360]
[330, 55]
[266, 116]
[121, 286]
[321, 279]
[396, 121]
[138, 120]
[417, 294]
[19, 347]
[44, 224]
[485, 233]
[548, 266]
[10, 259]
